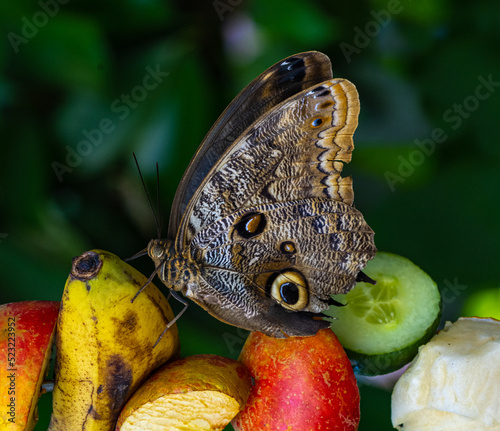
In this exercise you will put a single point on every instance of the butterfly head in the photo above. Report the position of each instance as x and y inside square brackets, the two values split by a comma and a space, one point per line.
[160, 250]
[174, 269]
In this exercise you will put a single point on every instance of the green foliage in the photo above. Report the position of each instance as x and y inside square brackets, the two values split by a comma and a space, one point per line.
[151, 77]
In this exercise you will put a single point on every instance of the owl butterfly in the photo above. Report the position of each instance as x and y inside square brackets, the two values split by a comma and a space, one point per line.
[262, 229]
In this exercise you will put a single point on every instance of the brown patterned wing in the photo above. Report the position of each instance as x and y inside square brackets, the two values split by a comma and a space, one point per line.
[276, 84]
[296, 151]
[271, 268]
[271, 227]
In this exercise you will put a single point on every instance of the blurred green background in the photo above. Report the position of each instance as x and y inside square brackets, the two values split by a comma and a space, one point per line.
[425, 169]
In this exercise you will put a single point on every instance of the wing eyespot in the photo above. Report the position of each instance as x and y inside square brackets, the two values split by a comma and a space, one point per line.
[323, 93]
[288, 247]
[315, 90]
[289, 289]
[251, 225]
[317, 122]
[292, 63]
[326, 105]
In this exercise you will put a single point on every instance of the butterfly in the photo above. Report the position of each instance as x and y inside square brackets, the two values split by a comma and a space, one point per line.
[262, 229]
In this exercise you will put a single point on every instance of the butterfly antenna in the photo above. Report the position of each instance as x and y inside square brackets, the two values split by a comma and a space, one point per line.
[141, 253]
[147, 195]
[158, 200]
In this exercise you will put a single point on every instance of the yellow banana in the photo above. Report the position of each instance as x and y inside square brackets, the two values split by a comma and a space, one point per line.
[105, 342]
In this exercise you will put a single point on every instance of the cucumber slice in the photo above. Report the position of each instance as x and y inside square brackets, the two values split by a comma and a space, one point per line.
[382, 326]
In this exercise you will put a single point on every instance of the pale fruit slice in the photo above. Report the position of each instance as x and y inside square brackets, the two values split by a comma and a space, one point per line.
[26, 337]
[200, 392]
[454, 382]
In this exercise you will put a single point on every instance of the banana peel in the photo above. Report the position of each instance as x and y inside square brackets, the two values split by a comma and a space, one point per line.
[106, 343]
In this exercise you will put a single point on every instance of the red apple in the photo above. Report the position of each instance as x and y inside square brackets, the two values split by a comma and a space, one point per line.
[301, 384]
[26, 336]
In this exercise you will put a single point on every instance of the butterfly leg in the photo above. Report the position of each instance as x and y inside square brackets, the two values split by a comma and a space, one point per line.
[182, 301]
[150, 280]
[364, 278]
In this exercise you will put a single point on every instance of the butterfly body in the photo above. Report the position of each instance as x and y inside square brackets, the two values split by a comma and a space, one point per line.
[175, 268]
[263, 226]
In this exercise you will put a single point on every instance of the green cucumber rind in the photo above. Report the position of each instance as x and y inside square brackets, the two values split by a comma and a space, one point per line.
[416, 303]
[384, 363]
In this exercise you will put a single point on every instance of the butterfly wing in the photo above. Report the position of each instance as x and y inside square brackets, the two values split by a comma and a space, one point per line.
[295, 151]
[271, 268]
[271, 226]
[279, 82]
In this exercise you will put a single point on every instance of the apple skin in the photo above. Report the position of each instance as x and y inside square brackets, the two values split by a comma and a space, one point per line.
[33, 324]
[301, 384]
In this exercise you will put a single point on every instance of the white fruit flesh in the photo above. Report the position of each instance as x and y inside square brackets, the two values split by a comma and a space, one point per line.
[454, 382]
[198, 410]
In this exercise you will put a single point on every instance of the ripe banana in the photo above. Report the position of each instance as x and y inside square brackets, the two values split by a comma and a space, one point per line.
[105, 342]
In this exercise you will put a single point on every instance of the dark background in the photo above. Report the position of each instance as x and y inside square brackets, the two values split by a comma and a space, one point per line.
[425, 168]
